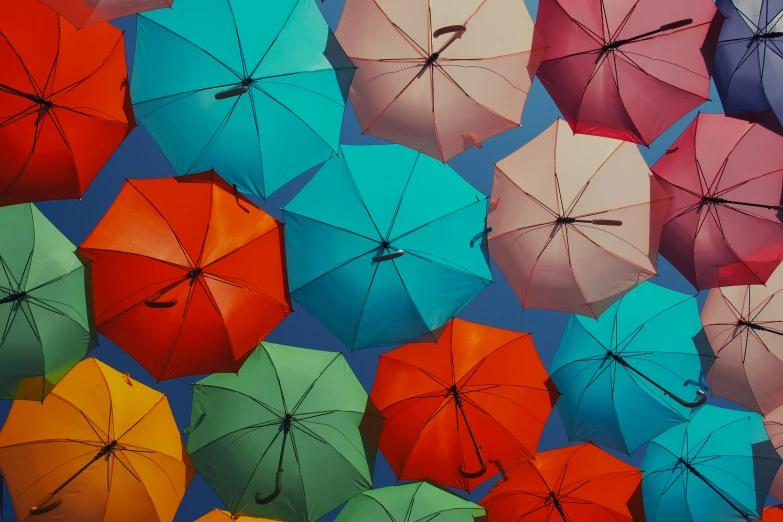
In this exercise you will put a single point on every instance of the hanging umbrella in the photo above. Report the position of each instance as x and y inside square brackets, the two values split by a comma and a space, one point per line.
[57, 130]
[418, 501]
[716, 467]
[773, 422]
[46, 323]
[291, 436]
[627, 69]
[188, 275]
[575, 222]
[773, 514]
[575, 484]
[474, 401]
[253, 90]
[744, 325]
[748, 65]
[642, 355]
[100, 448]
[725, 176]
[217, 515]
[439, 77]
[82, 13]
[385, 245]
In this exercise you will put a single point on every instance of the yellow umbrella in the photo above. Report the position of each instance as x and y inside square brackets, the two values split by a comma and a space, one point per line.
[101, 447]
[217, 515]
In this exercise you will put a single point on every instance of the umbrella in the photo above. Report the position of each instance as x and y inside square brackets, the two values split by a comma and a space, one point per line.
[57, 130]
[82, 13]
[576, 221]
[748, 64]
[291, 436]
[188, 275]
[773, 422]
[414, 502]
[255, 90]
[725, 176]
[718, 466]
[575, 484]
[217, 515]
[744, 325]
[46, 324]
[385, 245]
[773, 514]
[439, 77]
[101, 447]
[627, 69]
[477, 398]
[639, 356]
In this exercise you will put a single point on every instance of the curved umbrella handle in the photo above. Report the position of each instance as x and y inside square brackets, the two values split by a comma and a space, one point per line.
[278, 487]
[475, 474]
[231, 93]
[151, 303]
[449, 29]
[701, 399]
[388, 257]
[478, 236]
[46, 506]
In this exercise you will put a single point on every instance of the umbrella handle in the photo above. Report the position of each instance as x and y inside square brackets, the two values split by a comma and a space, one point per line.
[46, 505]
[479, 236]
[701, 399]
[449, 29]
[607, 222]
[475, 474]
[501, 469]
[278, 487]
[231, 93]
[150, 303]
[388, 257]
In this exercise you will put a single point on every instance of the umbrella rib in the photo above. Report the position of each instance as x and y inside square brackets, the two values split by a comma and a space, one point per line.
[39, 479]
[573, 272]
[213, 302]
[716, 181]
[312, 385]
[340, 103]
[253, 290]
[239, 40]
[23, 168]
[523, 408]
[366, 129]
[413, 302]
[158, 402]
[279, 383]
[30, 77]
[456, 268]
[274, 40]
[536, 200]
[90, 75]
[444, 216]
[726, 241]
[471, 372]
[447, 400]
[434, 119]
[215, 135]
[173, 488]
[416, 47]
[402, 196]
[444, 65]
[334, 226]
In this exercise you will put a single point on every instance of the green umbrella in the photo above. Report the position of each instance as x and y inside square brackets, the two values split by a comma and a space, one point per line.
[292, 436]
[414, 502]
[45, 319]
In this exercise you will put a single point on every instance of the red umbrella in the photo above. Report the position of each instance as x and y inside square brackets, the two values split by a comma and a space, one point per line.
[627, 69]
[188, 275]
[725, 177]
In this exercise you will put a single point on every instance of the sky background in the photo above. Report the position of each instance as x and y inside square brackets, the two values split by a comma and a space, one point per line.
[138, 157]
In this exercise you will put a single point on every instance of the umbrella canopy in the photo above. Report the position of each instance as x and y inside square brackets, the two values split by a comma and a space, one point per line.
[627, 69]
[45, 316]
[217, 515]
[575, 484]
[639, 356]
[291, 436]
[718, 466]
[385, 245]
[575, 220]
[748, 64]
[744, 325]
[82, 13]
[101, 447]
[439, 77]
[725, 176]
[478, 396]
[188, 276]
[57, 130]
[773, 514]
[415, 502]
[773, 422]
[253, 90]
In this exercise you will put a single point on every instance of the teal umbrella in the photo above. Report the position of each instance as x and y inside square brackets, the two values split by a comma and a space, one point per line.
[716, 468]
[635, 371]
[253, 89]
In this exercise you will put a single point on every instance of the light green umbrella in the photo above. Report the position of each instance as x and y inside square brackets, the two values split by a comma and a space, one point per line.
[292, 436]
[45, 316]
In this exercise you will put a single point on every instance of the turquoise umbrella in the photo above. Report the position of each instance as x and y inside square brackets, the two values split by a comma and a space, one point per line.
[385, 245]
[625, 377]
[254, 90]
[717, 467]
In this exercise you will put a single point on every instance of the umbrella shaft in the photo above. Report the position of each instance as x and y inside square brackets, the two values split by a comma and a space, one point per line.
[704, 479]
[95, 459]
[730, 202]
[467, 424]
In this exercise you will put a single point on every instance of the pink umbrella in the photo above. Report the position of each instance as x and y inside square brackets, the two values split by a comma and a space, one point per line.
[439, 77]
[576, 221]
[82, 13]
[773, 421]
[744, 325]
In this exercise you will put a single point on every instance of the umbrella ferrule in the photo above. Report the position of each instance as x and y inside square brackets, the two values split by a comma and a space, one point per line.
[18, 297]
[564, 220]
[618, 359]
[433, 57]
[711, 199]
[107, 449]
[193, 275]
[748, 324]
[285, 426]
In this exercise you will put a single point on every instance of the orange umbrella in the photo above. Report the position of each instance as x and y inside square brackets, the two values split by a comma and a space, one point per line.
[100, 448]
[773, 514]
[217, 515]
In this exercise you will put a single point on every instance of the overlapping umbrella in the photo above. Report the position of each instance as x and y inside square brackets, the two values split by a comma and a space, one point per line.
[773, 514]
[773, 422]
[217, 515]
[82, 13]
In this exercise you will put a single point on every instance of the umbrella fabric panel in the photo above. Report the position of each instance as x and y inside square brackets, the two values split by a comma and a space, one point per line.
[82, 13]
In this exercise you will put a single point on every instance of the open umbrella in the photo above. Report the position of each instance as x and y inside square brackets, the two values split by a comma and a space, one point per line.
[82, 13]
[439, 77]
[385, 245]
[744, 325]
[748, 64]
[254, 90]
[415, 502]
[716, 467]
[474, 401]
[576, 221]
[188, 275]
[46, 324]
[64, 104]
[101, 447]
[217, 515]
[291, 436]
[575, 484]
[773, 514]
[773, 422]
[627, 69]
[641, 355]
[725, 176]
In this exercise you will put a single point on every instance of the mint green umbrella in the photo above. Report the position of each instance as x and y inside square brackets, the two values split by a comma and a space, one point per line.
[45, 320]
[292, 436]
